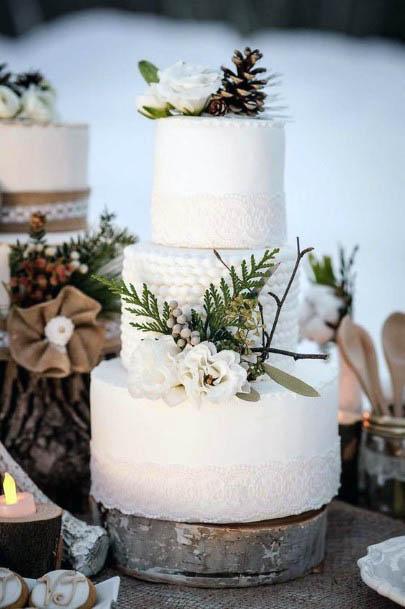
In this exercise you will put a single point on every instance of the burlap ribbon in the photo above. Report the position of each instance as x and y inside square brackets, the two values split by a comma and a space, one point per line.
[65, 211]
[30, 348]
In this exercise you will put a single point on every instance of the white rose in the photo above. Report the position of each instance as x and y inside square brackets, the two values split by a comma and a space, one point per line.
[150, 100]
[186, 87]
[9, 102]
[153, 371]
[217, 376]
[38, 104]
[50, 251]
[320, 308]
[59, 331]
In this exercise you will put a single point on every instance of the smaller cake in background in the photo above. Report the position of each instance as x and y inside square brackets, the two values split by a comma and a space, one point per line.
[44, 166]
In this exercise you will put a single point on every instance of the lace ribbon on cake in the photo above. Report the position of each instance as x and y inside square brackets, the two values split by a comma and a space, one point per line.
[238, 493]
[228, 220]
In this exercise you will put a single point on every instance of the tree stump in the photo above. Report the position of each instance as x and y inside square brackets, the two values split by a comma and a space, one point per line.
[217, 556]
[31, 546]
[45, 425]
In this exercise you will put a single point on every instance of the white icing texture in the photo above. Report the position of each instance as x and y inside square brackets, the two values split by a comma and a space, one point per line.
[218, 182]
[43, 158]
[233, 462]
[68, 589]
[11, 588]
[184, 275]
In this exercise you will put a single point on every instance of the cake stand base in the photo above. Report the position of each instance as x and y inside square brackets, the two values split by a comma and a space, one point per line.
[217, 555]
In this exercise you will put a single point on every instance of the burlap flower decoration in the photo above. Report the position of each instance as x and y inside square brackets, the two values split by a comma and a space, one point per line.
[57, 337]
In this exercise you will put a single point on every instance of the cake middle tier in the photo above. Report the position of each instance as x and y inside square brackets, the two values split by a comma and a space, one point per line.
[183, 275]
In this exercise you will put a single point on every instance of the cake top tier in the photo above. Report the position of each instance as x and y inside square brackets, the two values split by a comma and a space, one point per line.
[219, 182]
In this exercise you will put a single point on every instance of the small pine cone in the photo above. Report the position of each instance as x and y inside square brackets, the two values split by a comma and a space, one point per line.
[217, 106]
[243, 90]
[37, 222]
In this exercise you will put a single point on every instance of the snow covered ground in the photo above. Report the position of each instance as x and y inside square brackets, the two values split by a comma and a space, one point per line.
[345, 171]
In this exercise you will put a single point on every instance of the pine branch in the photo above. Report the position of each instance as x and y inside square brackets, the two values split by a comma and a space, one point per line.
[142, 305]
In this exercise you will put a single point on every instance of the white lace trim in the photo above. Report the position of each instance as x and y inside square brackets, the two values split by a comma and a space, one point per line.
[21, 214]
[239, 493]
[228, 220]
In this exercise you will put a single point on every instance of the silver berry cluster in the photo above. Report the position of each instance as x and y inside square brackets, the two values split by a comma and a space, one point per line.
[179, 325]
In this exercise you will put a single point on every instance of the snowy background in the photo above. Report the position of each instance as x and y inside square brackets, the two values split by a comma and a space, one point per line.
[345, 166]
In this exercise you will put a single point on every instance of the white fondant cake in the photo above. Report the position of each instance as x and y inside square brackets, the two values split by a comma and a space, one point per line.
[184, 275]
[43, 157]
[219, 182]
[45, 169]
[233, 462]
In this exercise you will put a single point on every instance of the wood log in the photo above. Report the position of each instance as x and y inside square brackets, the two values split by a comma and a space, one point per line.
[217, 555]
[31, 546]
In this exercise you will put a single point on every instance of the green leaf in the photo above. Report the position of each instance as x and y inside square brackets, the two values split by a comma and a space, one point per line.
[290, 382]
[150, 112]
[148, 71]
[253, 396]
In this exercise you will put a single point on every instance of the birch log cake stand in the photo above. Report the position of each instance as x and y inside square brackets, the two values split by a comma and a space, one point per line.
[217, 555]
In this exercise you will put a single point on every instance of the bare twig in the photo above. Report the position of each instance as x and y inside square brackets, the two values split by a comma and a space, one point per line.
[293, 354]
[222, 261]
[280, 301]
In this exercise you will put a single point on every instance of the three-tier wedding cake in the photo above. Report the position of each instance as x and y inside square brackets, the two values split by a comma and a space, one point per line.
[185, 426]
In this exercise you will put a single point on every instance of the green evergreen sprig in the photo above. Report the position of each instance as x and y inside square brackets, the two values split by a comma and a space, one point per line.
[232, 317]
[343, 282]
[144, 305]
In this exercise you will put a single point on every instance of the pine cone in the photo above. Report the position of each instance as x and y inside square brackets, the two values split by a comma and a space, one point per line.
[217, 106]
[25, 79]
[37, 222]
[242, 91]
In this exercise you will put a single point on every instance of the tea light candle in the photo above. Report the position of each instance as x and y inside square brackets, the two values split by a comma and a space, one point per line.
[30, 533]
[13, 504]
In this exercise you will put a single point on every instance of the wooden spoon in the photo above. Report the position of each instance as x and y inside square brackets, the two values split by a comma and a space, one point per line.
[358, 350]
[393, 338]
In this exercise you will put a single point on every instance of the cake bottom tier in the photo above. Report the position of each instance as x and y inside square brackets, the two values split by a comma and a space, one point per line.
[237, 462]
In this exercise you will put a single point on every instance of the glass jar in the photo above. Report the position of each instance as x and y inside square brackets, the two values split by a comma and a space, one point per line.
[383, 464]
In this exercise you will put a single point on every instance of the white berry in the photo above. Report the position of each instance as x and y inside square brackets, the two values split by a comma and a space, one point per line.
[185, 333]
[177, 312]
[170, 322]
[181, 319]
[176, 329]
[181, 342]
[195, 341]
[173, 304]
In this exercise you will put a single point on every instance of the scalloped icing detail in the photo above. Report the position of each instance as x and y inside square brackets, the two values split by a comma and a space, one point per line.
[230, 121]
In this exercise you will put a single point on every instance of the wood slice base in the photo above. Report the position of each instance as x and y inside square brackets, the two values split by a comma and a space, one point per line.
[31, 546]
[217, 556]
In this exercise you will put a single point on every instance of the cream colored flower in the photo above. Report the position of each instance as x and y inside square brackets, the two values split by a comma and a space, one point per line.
[186, 87]
[153, 371]
[215, 376]
[150, 100]
[319, 310]
[59, 331]
[38, 104]
[9, 102]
